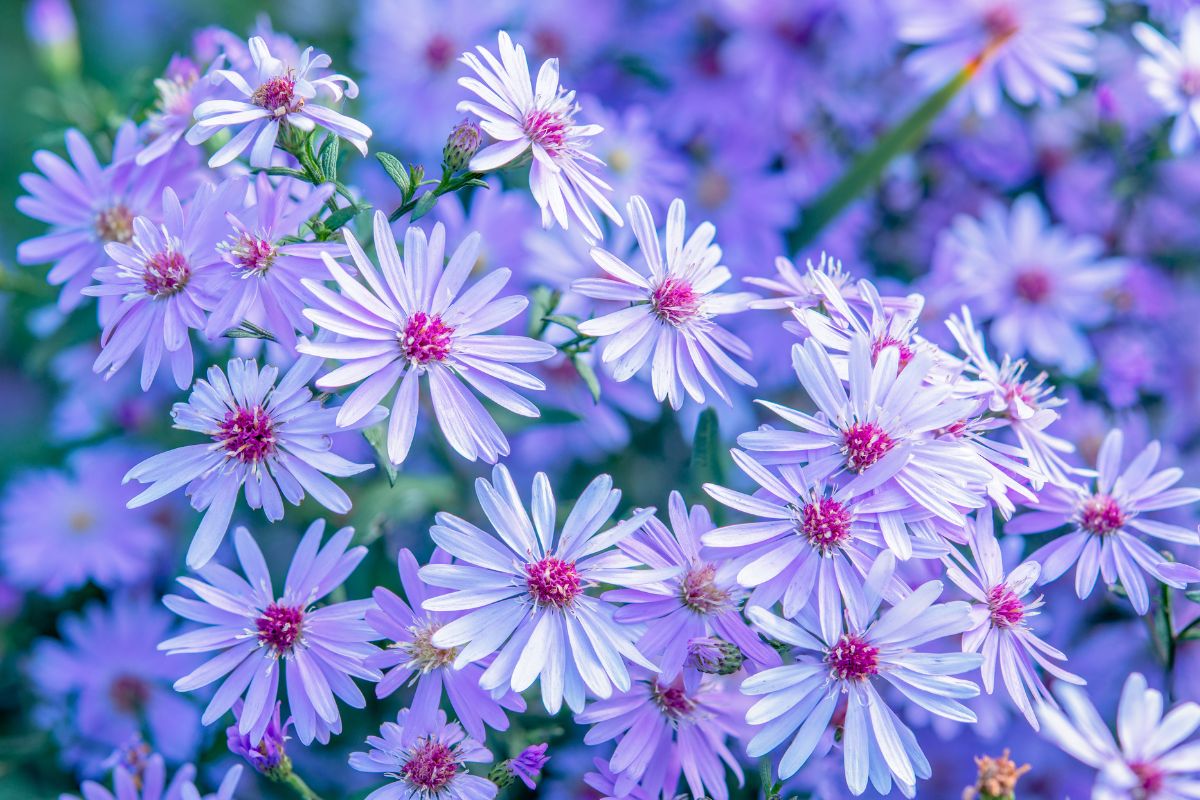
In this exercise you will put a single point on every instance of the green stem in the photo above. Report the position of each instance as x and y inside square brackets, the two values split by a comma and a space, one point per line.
[22, 283]
[300, 787]
[447, 185]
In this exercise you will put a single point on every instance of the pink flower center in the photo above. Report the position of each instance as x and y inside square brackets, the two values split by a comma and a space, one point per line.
[251, 253]
[278, 95]
[439, 51]
[129, 693]
[699, 591]
[902, 350]
[165, 273]
[115, 224]
[279, 627]
[426, 339]
[422, 653]
[1100, 515]
[247, 434]
[1151, 779]
[852, 659]
[547, 128]
[675, 301]
[672, 700]
[825, 523]
[1006, 608]
[1001, 21]
[1189, 81]
[431, 766]
[553, 582]
[1032, 285]
[864, 443]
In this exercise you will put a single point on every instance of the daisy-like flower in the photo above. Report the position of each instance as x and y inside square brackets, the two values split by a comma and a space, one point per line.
[539, 121]
[1151, 761]
[527, 591]
[1029, 49]
[670, 319]
[88, 206]
[795, 288]
[1039, 285]
[1107, 518]
[411, 658]
[165, 279]
[261, 282]
[322, 648]
[698, 609]
[665, 731]
[180, 90]
[813, 538]
[845, 667]
[272, 439]
[426, 762]
[1000, 617]
[1172, 75]
[413, 323]
[277, 95]
[146, 779]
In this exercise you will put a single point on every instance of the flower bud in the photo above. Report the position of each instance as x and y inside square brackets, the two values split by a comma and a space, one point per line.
[525, 766]
[997, 778]
[714, 656]
[52, 30]
[464, 141]
[268, 756]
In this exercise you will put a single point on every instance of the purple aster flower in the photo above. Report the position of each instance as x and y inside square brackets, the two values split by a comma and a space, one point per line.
[414, 324]
[322, 647]
[60, 529]
[180, 90]
[1106, 519]
[272, 439]
[527, 591]
[1037, 284]
[411, 658]
[109, 682]
[846, 666]
[528, 764]
[686, 613]
[425, 763]
[262, 280]
[165, 278]
[1026, 48]
[671, 316]
[637, 161]
[1000, 620]
[87, 206]
[147, 780]
[664, 730]
[537, 121]
[278, 96]
[268, 756]
[1151, 760]
[1172, 76]
[795, 288]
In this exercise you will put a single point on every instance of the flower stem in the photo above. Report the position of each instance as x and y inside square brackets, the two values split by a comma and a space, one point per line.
[300, 787]
[447, 185]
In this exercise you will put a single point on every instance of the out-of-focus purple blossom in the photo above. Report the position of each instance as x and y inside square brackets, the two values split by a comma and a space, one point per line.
[146, 779]
[638, 163]
[1172, 75]
[180, 90]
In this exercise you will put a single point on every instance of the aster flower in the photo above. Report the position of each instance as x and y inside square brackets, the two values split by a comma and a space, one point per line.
[322, 648]
[1172, 76]
[1151, 760]
[147, 780]
[62, 528]
[180, 90]
[1106, 519]
[165, 280]
[425, 763]
[414, 324]
[274, 440]
[685, 613]
[278, 96]
[411, 658]
[1037, 284]
[527, 591]
[664, 731]
[88, 206]
[269, 756]
[265, 267]
[670, 318]
[1026, 48]
[854, 660]
[795, 288]
[537, 120]
[1000, 620]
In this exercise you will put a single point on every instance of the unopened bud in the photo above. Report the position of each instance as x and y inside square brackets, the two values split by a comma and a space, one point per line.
[714, 656]
[525, 766]
[997, 778]
[464, 141]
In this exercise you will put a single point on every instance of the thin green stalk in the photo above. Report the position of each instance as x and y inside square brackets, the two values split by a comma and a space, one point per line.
[447, 185]
[300, 787]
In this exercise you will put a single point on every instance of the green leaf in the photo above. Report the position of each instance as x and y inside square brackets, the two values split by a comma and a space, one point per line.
[343, 215]
[423, 206]
[1162, 628]
[706, 451]
[568, 322]
[589, 377]
[327, 158]
[376, 436]
[282, 172]
[395, 170]
[1193, 595]
[542, 302]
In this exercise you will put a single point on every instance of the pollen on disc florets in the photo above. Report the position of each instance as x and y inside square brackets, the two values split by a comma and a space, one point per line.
[165, 273]
[675, 302]
[864, 443]
[426, 338]
[278, 95]
[423, 655]
[430, 766]
[280, 627]
[1100, 514]
[825, 522]
[1005, 607]
[553, 582]
[247, 434]
[699, 590]
[853, 658]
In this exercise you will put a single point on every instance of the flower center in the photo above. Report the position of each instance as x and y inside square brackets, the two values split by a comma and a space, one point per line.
[1005, 607]
[1032, 285]
[825, 523]
[675, 301]
[1151, 779]
[129, 693]
[699, 591]
[672, 700]
[247, 434]
[1101, 515]
[115, 224]
[278, 95]
[280, 627]
[1189, 81]
[253, 254]
[547, 128]
[1001, 21]
[80, 521]
[864, 443]
[553, 582]
[422, 654]
[713, 189]
[852, 659]
[431, 766]
[426, 339]
[883, 342]
[439, 52]
[166, 273]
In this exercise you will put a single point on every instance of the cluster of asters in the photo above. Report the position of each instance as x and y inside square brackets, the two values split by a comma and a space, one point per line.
[804, 611]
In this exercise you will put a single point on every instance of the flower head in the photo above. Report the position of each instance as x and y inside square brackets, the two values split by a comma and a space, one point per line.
[180, 89]
[1172, 76]
[147, 780]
